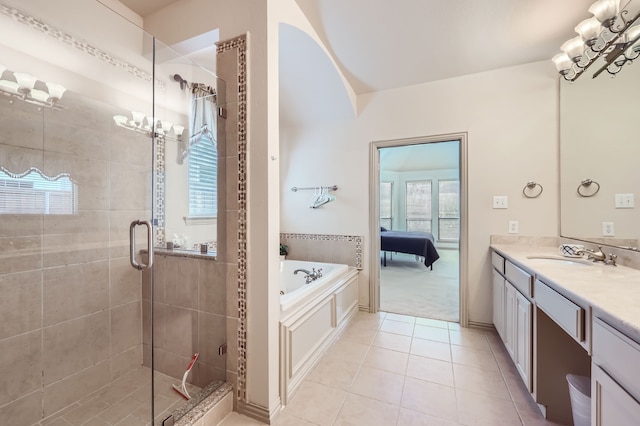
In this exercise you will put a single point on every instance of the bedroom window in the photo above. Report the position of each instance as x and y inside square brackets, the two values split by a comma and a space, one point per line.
[418, 206]
[449, 210]
[386, 197]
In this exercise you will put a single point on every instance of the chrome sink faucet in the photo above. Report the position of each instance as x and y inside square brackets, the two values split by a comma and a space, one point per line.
[599, 256]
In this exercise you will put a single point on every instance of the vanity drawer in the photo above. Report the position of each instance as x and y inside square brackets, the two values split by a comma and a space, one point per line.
[519, 278]
[618, 355]
[497, 261]
[563, 311]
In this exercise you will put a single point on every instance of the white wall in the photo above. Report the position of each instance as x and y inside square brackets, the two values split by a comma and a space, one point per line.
[511, 119]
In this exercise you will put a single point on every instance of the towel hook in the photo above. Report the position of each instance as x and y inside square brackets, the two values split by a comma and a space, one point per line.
[586, 183]
[530, 186]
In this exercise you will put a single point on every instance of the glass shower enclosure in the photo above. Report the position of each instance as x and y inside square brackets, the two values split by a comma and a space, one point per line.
[100, 317]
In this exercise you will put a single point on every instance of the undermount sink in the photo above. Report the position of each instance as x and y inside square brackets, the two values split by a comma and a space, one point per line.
[557, 260]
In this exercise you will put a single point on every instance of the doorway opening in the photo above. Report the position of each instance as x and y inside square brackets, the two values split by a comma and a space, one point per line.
[418, 227]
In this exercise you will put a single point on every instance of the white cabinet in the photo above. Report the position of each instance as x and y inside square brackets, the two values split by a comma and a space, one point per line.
[522, 339]
[611, 405]
[498, 303]
[615, 389]
[513, 313]
[510, 331]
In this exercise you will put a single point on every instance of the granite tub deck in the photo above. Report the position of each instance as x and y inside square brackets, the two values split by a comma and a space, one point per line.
[611, 292]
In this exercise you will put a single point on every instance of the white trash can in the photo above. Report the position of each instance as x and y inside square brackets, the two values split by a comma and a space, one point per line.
[580, 394]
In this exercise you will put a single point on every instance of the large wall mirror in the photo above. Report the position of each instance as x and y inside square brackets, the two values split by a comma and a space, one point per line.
[599, 140]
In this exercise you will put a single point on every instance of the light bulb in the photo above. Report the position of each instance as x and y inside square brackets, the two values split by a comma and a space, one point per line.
[120, 120]
[177, 129]
[25, 81]
[39, 95]
[563, 63]
[138, 117]
[574, 48]
[55, 91]
[605, 11]
[589, 30]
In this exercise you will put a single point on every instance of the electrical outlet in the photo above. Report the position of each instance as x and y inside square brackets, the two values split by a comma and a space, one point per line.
[607, 229]
[624, 201]
[513, 226]
[500, 201]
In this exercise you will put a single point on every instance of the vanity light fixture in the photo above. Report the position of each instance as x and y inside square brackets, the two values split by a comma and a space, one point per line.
[141, 123]
[22, 86]
[608, 34]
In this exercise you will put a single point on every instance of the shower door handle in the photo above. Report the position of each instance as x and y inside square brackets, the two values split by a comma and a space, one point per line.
[132, 244]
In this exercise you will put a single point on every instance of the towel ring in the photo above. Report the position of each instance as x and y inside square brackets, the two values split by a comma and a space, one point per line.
[586, 183]
[531, 186]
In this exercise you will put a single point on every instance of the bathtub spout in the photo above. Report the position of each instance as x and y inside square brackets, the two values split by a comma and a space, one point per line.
[310, 276]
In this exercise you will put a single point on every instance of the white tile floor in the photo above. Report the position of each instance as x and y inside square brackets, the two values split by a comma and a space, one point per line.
[389, 369]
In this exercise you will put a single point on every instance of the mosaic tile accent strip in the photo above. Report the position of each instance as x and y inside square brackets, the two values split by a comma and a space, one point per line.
[324, 237]
[159, 197]
[38, 24]
[240, 45]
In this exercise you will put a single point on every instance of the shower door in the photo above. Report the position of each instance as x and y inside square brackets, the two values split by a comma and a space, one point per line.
[82, 162]
[72, 179]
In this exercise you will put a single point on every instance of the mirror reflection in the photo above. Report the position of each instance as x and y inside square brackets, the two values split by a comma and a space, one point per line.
[599, 142]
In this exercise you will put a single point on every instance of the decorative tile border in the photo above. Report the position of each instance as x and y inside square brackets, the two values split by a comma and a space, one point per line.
[324, 237]
[159, 196]
[53, 32]
[240, 45]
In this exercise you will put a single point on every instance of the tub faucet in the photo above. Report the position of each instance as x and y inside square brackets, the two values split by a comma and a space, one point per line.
[309, 276]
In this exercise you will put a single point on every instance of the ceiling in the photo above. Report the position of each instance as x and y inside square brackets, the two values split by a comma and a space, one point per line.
[381, 45]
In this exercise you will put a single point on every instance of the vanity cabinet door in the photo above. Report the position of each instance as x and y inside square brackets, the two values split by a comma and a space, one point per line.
[523, 336]
[498, 303]
[611, 405]
[510, 320]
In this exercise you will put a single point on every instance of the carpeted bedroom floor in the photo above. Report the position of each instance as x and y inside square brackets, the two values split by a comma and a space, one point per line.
[408, 287]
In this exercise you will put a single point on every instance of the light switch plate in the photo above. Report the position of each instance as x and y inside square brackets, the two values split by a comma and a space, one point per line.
[500, 202]
[624, 201]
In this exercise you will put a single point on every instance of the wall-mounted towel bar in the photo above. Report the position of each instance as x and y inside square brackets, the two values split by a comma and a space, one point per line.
[328, 188]
[532, 189]
[585, 185]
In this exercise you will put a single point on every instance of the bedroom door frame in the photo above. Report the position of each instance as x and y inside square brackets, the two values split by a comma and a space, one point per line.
[374, 216]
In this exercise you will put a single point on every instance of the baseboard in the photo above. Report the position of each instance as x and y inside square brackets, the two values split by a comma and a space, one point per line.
[481, 325]
[259, 412]
[364, 308]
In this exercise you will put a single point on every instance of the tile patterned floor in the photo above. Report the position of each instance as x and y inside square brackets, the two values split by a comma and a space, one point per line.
[124, 402]
[389, 369]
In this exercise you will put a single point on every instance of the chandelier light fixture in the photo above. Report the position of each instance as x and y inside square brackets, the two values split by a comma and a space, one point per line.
[142, 123]
[608, 34]
[26, 87]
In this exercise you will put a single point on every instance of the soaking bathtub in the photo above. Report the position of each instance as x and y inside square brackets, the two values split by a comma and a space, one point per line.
[311, 316]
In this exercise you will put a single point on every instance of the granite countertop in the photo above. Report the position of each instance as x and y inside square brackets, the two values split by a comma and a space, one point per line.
[613, 292]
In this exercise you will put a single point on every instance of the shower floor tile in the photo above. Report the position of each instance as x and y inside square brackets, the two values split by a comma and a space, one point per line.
[123, 402]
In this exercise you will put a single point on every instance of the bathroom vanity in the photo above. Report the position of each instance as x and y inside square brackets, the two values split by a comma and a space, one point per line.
[559, 316]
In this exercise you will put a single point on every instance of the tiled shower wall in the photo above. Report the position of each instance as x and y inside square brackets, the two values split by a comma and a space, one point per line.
[68, 296]
[189, 317]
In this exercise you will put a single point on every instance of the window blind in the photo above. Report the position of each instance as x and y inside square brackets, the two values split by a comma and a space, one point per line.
[203, 187]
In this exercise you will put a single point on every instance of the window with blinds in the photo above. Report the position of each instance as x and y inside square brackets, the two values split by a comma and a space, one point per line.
[203, 185]
[35, 193]
[386, 197]
[418, 205]
[449, 210]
